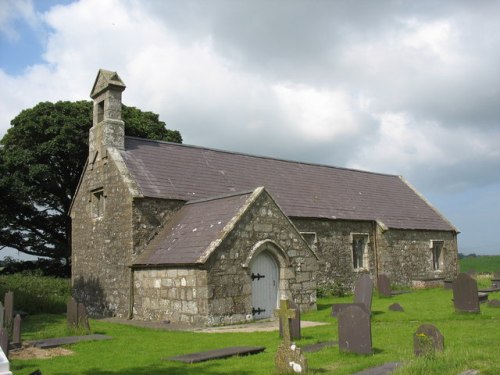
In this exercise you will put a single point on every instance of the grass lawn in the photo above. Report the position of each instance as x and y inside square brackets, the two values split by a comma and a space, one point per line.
[471, 342]
[483, 263]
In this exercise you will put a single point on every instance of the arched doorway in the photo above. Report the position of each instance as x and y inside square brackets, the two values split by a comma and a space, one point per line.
[265, 283]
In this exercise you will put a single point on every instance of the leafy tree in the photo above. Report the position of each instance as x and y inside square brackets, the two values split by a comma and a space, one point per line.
[42, 156]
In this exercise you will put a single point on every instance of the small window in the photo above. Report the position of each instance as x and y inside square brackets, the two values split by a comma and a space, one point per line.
[436, 250]
[310, 238]
[98, 203]
[100, 111]
[359, 251]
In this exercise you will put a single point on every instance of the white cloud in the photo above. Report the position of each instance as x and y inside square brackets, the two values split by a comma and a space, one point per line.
[13, 10]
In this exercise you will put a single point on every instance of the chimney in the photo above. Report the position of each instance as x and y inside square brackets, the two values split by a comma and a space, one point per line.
[108, 129]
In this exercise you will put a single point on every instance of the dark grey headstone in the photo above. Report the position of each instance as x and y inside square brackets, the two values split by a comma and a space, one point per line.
[355, 334]
[1, 315]
[337, 307]
[16, 331]
[68, 340]
[384, 286]
[9, 309]
[465, 295]
[72, 313]
[83, 319]
[4, 340]
[494, 303]
[294, 323]
[385, 369]
[396, 307]
[217, 354]
[363, 291]
[427, 340]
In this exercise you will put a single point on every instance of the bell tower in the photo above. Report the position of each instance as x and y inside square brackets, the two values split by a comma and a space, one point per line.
[108, 129]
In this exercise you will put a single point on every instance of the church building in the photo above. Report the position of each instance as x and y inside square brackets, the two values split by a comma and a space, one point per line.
[166, 231]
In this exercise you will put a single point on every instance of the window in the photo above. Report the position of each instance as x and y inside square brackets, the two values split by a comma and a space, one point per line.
[100, 111]
[310, 238]
[436, 249]
[359, 251]
[98, 203]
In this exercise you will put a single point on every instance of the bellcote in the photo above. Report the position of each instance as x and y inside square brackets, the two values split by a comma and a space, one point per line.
[108, 129]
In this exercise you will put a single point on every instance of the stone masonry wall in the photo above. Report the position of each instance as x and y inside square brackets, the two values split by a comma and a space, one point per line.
[102, 245]
[175, 294]
[229, 284]
[334, 248]
[405, 255]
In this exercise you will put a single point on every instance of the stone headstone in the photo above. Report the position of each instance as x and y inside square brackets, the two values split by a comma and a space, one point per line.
[4, 340]
[294, 323]
[355, 335]
[396, 307]
[363, 291]
[289, 358]
[83, 319]
[384, 286]
[72, 313]
[1, 315]
[8, 310]
[494, 303]
[337, 307]
[427, 340]
[16, 331]
[465, 295]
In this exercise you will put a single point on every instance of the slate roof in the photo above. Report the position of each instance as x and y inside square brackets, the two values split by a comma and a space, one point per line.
[194, 231]
[176, 171]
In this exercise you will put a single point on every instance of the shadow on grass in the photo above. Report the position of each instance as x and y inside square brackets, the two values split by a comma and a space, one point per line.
[323, 306]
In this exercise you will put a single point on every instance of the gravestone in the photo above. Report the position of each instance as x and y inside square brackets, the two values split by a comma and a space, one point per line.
[83, 319]
[294, 323]
[384, 285]
[396, 307]
[4, 340]
[427, 340]
[289, 358]
[465, 295]
[363, 291]
[16, 332]
[494, 303]
[72, 313]
[9, 310]
[355, 334]
[338, 307]
[1, 315]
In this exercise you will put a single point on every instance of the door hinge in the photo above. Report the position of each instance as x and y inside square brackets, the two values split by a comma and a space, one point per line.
[257, 311]
[258, 276]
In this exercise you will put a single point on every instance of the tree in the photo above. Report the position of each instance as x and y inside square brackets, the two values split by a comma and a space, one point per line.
[42, 156]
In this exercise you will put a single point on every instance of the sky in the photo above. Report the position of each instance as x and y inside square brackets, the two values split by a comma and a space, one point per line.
[409, 88]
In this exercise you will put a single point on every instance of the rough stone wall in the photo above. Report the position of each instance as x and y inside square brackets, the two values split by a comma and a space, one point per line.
[175, 294]
[334, 248]
[229, 284]
[102, 245]
[149, 216]
[406, 255]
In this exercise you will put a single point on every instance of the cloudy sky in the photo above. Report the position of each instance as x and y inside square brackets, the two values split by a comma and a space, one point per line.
[402, 87]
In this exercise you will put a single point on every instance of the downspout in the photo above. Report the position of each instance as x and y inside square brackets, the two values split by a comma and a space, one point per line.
[131, 294]
[375, 250]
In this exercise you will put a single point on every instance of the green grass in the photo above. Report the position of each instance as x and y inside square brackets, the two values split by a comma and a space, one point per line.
[481, 264]
[471, 342]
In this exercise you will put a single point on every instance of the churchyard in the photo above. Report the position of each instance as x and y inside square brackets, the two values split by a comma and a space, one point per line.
[470, 342]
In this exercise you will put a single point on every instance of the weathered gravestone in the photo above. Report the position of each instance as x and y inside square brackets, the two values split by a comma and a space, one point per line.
[396, 307]
[1, 315]
[427, 340]
[289, 358]
[465, 295]
[363, 293]
[494, 303]
[384, 286]
[294, 323]
[16, 332]
[355, 333]
[76, 315]
[8, 310]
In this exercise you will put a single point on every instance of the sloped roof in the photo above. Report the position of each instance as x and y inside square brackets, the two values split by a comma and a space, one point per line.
[195, 231]
[176, 171]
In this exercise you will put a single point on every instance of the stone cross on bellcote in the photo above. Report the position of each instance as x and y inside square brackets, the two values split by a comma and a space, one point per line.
[285, 313]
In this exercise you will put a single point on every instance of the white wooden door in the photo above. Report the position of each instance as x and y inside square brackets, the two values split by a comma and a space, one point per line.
[265, 281]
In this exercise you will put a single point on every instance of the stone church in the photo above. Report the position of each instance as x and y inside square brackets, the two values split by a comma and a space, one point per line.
[166, 231]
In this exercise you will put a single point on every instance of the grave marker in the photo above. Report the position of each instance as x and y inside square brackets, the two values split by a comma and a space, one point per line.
[494, 303]
[83, 319]
[72, 313]
[384, 286]
[363, 291]
[427, 340]
[294, 323]
[396, 307]
[1, 315]
[289, 358]
[355, 335]
[16, 331]
[9, 310]
[465, 295]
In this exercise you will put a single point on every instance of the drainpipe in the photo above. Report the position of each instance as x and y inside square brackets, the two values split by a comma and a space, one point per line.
[375, 250]
[131, 294]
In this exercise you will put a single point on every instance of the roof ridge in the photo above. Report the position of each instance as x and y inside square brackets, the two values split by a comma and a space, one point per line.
[261, 156]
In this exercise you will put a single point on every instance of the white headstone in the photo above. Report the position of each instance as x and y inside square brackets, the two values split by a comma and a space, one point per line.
[4, 364]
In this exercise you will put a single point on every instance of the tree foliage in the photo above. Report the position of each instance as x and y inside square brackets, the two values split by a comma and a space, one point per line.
[42, 156]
